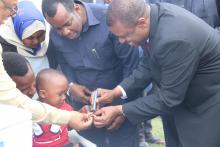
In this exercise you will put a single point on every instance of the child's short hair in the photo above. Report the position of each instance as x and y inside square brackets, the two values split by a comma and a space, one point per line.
[44, 75]
[15, 64]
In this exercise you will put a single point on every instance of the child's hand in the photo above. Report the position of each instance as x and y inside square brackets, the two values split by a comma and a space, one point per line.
[80, 121]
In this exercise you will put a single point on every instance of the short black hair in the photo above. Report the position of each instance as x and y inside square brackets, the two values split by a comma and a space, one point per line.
[15, 64]
[125, 11]
[49, 7]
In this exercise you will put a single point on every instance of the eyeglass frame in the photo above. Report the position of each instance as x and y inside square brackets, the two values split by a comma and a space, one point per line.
[13, 10]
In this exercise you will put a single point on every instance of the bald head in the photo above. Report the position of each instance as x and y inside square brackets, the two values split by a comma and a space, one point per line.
[126, 11]
[46, 77]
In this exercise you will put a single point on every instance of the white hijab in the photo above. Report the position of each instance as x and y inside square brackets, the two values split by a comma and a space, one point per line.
[8, 33]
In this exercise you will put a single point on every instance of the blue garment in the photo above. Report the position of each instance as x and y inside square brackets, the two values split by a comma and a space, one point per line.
[97, 59]
[27, 14]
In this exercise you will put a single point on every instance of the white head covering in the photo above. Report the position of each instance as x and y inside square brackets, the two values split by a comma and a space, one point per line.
[23, 26]
[8, 33]
[33, 28]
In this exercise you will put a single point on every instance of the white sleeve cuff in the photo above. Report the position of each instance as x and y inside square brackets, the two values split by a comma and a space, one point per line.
[124, 95]
[68, 91]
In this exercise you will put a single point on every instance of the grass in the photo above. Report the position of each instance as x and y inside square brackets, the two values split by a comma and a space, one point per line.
[157, 130]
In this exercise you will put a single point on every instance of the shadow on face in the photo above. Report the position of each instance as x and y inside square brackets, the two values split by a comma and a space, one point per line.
[26, 83]
[52, 92]
[35, 39]
[67, 24]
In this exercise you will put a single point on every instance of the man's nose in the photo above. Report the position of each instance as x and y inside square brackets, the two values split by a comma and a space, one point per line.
[32, 91]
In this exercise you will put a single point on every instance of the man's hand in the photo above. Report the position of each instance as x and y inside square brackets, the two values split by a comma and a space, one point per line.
[107, 96]
[106, 115]
[80, 121]
[80, 93]
[85, 109]
[119, 120]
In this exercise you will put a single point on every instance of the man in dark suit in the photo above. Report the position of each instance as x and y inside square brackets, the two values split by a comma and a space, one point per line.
[206, 10]
[183, 59]
[218, 6]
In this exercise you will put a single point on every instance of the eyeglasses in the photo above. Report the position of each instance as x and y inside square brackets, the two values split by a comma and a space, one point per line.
[13, 10]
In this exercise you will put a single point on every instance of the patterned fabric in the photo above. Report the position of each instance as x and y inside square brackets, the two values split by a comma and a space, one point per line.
[51, 135]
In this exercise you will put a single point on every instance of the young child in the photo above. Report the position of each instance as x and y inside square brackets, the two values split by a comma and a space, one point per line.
[20, 71]
[51, 87]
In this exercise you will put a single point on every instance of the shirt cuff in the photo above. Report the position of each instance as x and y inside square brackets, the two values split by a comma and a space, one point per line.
[68, 91]
[124, 95]
[122, 111]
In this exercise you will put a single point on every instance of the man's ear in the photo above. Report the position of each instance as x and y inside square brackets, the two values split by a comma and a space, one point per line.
[42, 94]
[142, 22]
[77, 8]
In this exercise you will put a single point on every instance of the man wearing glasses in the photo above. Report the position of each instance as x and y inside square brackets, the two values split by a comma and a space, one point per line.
[7, 9]
[40, 112]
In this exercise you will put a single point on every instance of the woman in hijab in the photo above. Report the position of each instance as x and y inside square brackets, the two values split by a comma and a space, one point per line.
[27, 34]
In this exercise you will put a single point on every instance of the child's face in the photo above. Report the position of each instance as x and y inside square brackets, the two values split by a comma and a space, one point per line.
[26, 83]
[56, 92]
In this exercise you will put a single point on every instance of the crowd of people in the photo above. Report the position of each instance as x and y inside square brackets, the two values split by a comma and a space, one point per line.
[121, 48]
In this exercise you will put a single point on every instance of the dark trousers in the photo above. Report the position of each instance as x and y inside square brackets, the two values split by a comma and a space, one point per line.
[125, 136]
[144, 129]
[170, 132]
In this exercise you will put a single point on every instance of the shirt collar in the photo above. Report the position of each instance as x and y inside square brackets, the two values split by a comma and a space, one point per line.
[91, 19]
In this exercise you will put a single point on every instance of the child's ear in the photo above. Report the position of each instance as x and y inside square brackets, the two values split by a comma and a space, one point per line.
[42, 93]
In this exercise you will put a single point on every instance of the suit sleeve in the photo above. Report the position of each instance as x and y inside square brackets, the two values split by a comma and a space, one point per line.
[138, 80]
[41, 112]
[178, 61]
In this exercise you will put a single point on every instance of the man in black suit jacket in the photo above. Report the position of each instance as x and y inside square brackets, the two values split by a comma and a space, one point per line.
[218, 6]
[183, 59]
